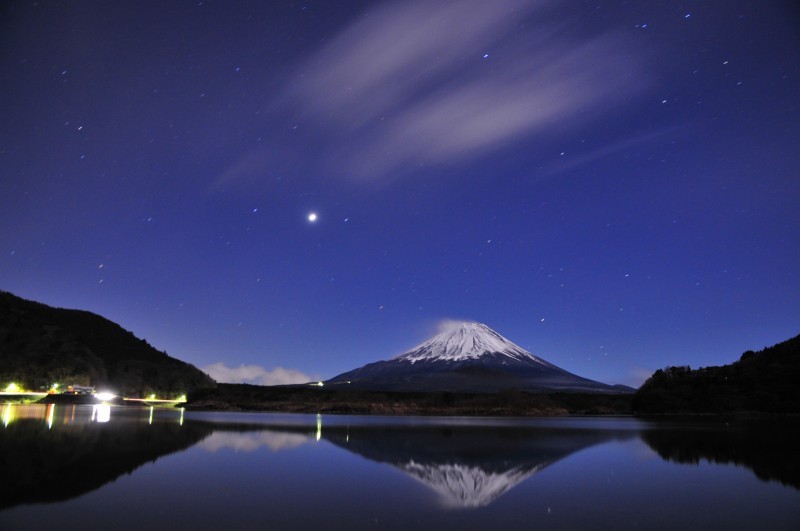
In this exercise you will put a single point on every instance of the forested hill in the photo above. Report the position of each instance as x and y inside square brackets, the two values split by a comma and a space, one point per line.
[764, 381]
[41, 345]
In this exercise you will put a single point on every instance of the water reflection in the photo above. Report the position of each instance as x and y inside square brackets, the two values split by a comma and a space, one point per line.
[465, 465]
[52, 453]
[468, 466]
[81, 414]
[100, 412]
[251, 441]
[472, 465]
[769, 448]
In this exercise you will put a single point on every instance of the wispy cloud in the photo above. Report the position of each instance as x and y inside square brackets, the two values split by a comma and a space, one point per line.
[254, 374]
[436, 83]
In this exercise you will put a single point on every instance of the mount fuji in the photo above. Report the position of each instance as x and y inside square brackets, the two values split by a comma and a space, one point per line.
[468, 357]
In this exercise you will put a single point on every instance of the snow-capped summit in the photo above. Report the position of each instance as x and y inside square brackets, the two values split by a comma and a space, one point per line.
[460, 341]
[466, 356]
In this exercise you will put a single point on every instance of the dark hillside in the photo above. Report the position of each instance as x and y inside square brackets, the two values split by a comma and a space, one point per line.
[41, 345]
[765, 381]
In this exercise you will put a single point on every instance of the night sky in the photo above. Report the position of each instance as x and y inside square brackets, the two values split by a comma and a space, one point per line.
[614, 186]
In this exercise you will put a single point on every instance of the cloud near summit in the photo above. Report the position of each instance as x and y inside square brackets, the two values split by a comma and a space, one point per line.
[433, 83]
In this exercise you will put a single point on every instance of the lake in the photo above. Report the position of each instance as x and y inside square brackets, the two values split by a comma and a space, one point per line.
[101, 467]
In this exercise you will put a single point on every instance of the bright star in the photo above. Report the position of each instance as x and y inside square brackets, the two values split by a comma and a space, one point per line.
[312, 217]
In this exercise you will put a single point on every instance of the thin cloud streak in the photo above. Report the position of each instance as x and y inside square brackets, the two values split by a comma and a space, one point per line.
[254, 374]
[382, 60]
[409, 85]
[608, 150]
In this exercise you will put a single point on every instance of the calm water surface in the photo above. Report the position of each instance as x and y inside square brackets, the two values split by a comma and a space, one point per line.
[80, 467]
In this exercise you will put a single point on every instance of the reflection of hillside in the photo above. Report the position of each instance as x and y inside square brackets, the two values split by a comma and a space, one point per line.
[767, 448]
[67, 453]
[468, 466]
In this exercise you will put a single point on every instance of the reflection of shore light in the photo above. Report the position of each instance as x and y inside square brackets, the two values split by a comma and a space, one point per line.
[51, 408]
[7, 415]
[151, 415]
[101, 413]
[319, 426]
[181, 421]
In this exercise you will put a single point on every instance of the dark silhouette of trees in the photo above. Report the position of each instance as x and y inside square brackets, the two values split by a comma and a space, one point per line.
[764, 381]
[40, 346]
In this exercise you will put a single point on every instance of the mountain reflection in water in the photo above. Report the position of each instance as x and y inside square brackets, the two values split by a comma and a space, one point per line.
[55, 453]
[468, 466]
[472, 465]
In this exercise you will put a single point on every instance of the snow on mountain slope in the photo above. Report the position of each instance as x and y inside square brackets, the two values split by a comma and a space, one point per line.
[468, 357]
[460, 341]
[461, 485]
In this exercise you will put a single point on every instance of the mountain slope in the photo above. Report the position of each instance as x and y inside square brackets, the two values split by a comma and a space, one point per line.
[41, 345]
[467, 356]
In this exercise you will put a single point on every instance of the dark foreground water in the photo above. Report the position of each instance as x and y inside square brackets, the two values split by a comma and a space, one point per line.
[79, 467]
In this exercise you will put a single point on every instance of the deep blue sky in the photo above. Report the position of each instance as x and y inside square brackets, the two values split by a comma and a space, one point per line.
[614, 186]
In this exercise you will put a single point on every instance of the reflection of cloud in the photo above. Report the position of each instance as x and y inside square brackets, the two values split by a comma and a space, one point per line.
[409, 84]
[468, 486]
[250, 441]
[254, 374]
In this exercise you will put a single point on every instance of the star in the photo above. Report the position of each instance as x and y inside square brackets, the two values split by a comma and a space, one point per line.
[312, 217]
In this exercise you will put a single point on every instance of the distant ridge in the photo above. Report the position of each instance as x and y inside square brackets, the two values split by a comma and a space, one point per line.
[41, 345]
[468, 356]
